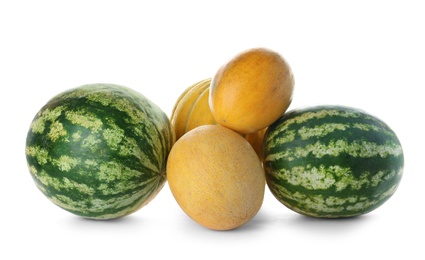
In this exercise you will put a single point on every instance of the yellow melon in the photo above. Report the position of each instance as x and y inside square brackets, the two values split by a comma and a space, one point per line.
[216, 177]
[251, 91]
[192, 110]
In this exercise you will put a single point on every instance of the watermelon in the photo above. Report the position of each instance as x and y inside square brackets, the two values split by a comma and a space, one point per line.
[332, 161]
[100, 150]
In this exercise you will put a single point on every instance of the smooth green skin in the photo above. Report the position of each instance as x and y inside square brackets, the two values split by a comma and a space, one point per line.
[99, 151]
[332, 161]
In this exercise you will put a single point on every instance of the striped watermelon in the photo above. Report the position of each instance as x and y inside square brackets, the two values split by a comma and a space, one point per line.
[99, 151]
[332, 161]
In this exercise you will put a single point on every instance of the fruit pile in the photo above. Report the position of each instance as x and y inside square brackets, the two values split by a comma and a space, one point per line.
[104, 151]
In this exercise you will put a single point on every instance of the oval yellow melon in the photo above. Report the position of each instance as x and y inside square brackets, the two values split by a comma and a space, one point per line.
[216, 177]
[251, 91]
[192, 110]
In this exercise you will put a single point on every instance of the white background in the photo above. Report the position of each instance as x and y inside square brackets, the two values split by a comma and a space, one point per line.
[366, 54]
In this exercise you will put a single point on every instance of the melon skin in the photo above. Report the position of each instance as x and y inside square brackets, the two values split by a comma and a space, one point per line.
[99, 151]
[191, 108]
[332, 161]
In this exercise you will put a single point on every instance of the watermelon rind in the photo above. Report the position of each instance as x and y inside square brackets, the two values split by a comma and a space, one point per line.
[99, 150]
[332, 161]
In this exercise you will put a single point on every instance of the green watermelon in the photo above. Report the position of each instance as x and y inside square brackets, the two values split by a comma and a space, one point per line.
[332, 161]
[99, 151]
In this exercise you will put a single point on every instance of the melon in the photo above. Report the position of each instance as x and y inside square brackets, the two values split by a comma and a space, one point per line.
[216, 177]
[252, 90]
